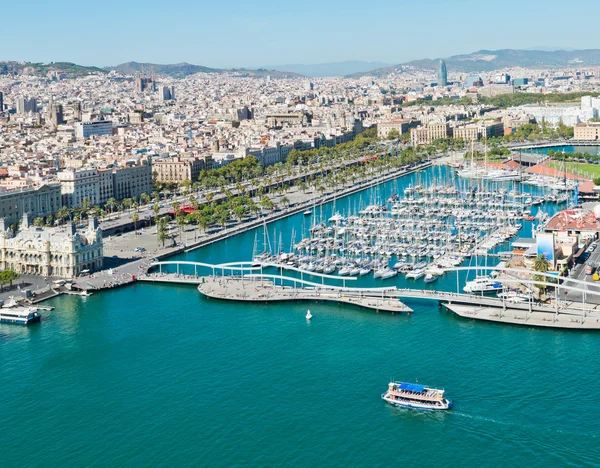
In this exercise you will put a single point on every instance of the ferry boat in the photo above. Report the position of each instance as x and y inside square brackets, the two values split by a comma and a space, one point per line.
[20, 315]
[416, 396]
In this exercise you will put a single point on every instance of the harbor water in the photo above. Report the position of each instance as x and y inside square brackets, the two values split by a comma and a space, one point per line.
[158, 375]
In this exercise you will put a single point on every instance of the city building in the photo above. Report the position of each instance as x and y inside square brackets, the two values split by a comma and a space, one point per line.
[78, 185]
[55, 115]
[25, 105]
[292, 118]
[587, 131]
[433, 131]
[132, 181]
[401, 125]
[94, 127]
[166, 93]
[177, 169]
[56, 251]
[477, 131]
[77, 110]
[143, 83]
[442, 74]
[1, 102]
[41, 201]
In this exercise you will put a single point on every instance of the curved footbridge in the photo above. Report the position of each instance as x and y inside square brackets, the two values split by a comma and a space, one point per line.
[261, 287]
[247, 282]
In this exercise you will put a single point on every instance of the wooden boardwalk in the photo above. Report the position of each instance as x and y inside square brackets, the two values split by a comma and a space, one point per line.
[247, 290]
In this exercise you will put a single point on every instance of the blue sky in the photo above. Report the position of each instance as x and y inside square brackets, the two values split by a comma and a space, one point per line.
[240, 33]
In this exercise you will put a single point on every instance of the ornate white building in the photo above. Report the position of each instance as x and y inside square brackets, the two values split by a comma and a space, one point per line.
[57, 251]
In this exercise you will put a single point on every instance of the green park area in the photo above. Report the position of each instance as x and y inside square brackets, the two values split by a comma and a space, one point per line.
[584, 169]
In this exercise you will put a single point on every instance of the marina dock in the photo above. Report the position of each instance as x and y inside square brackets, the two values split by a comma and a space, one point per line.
[523, 317]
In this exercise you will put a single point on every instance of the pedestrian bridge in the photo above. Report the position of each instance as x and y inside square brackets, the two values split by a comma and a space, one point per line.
[254, 273]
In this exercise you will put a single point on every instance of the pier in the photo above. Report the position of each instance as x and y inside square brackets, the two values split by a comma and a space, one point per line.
[519, 317]
[248, 282]
[259, 290]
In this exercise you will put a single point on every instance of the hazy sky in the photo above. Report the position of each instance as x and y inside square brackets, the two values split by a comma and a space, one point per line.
[238, 33]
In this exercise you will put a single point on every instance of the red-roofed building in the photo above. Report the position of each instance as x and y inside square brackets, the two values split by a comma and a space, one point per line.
[512, 164]
[588, 191]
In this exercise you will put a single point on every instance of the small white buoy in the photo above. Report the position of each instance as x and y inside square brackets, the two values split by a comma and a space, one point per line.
[308, 315]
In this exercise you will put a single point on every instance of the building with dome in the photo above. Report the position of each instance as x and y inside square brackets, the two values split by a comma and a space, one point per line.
[57, 251]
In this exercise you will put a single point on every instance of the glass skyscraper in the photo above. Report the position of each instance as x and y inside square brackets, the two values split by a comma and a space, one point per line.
[442, 74]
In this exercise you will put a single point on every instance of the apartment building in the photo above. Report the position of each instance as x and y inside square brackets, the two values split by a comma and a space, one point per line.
[177, 169]
[587, 131]
[94, 127]
[42, 201]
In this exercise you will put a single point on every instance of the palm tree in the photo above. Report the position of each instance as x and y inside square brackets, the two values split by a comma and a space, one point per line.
[63, 214]
[111, 203]
[541, 265]
[127, 203]
[285, 201]
[180, 219]
[162, 233]
[135, 218]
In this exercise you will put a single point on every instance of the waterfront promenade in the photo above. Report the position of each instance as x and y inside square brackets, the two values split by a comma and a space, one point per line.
[263, 291]
[523, 317]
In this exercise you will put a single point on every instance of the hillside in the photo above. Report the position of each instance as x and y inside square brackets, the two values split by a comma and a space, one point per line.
[43, 68]
[177, 70]
[489, 60]
[330, 68]
[181, 70]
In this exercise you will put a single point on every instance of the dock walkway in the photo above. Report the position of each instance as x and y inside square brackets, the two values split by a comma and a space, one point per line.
[246, 290]
[521, 317]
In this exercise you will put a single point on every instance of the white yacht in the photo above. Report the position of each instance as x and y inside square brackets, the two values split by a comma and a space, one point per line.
[482, 284]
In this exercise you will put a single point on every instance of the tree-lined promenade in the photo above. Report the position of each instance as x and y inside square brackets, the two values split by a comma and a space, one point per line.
[244, 188]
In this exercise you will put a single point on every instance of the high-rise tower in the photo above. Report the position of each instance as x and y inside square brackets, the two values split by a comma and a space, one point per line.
[442, 74]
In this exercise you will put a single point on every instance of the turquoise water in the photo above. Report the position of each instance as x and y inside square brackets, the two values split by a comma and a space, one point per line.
[592, 149]
[158, 375]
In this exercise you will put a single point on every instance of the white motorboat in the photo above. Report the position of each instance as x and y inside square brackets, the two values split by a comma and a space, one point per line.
[415, 274]
[482, 284]
[308, 315]
[430, 278]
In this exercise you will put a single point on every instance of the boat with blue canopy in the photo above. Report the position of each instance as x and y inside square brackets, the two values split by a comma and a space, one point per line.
[414, 395]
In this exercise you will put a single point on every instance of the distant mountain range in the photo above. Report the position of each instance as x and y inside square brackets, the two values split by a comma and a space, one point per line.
[180, 70]
[331, 68]
[480, 61]
[489, 60]
[177, 70]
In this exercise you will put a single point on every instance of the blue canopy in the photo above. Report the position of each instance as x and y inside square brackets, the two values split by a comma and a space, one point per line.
[412, 387]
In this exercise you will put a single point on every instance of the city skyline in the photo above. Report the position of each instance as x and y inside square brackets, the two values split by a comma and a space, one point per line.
[250, 35]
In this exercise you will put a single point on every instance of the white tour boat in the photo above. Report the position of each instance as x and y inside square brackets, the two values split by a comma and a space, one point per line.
[416, 396]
